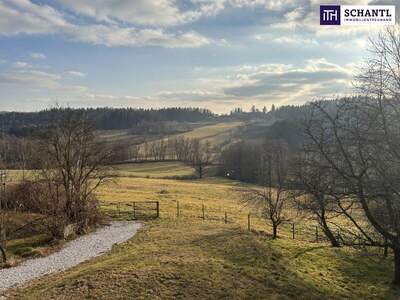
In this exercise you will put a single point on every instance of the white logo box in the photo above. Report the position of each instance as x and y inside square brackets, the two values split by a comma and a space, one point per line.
[368, 14]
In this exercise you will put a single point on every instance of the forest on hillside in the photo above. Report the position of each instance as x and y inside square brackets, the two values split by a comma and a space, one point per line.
[106, 118]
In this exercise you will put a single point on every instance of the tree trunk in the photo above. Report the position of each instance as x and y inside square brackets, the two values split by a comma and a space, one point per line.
[3, 254]
[274, 231]
[329, 234]
[396, 278]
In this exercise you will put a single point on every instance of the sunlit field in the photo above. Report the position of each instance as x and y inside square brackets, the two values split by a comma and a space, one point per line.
[218, 135]
[154, 170]
[200, 256]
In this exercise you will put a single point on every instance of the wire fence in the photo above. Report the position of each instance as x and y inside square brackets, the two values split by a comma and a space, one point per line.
[306, 230]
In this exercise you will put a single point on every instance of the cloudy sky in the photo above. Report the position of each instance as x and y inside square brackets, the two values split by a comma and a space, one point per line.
[218, 54]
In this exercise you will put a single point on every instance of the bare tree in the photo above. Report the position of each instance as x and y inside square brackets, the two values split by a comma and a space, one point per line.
[23, 147]
[135, 152]
[120, 152]
[181, 148]
[146, 150]
[158, 150]
[5, 149]
[171, 154]
[314, 180]
[73, 160]
[272, 199]
[200, 155]
[360, 140]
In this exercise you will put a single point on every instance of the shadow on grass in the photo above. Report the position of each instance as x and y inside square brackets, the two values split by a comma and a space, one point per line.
[307, 250]
[261, 262]
[357, 275]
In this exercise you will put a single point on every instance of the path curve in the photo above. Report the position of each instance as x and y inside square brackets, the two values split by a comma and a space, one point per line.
[72, 254]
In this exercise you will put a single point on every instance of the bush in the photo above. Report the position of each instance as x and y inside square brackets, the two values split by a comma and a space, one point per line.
[49, 200]
[31, 196]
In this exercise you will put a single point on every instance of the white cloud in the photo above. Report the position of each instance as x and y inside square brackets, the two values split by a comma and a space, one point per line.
[143, 12]
[38, 80]
[21, 64]
[114, 36]
[75, 74]
[30, 77]
[22, 16]
[241, 85]
[267, 4]
[268, 83]
[197, 95]
[289, 84]
[25, 17]
[289, 39]
[37, 55]
[301, 20]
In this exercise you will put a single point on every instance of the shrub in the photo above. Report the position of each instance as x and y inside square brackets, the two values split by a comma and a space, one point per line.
[49, 200]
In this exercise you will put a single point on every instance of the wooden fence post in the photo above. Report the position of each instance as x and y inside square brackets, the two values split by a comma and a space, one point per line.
[177, 209]
[202, 207]
[119, 209]
[248, 222]
[226, 217]
[293, 230]
[316, 233]
[158, 209]
[134, 210]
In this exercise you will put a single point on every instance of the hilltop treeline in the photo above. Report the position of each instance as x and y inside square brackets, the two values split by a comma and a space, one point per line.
[20, 123]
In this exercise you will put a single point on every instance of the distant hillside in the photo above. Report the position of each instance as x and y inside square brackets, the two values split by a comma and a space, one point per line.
[104, 118]
[283, 123]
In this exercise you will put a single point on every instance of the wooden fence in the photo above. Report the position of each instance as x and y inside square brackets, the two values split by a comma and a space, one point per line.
[131, 210]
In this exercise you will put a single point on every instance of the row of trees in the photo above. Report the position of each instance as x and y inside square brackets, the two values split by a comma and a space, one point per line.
[192, 151]
[26, 153]
[18, 153]
[19, 123]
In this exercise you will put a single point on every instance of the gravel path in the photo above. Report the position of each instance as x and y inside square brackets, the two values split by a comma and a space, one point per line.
[72, 254]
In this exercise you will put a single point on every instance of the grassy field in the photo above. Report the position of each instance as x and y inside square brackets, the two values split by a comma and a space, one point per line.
[188, 257]
[154, 170]
[218, 135]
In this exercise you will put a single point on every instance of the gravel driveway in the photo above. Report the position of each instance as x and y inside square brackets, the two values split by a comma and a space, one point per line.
[73, 253]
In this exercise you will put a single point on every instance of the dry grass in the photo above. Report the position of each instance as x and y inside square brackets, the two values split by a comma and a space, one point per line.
[219, 135]
[217, 195]
[216, 134]
[189, 258]
[154, 170]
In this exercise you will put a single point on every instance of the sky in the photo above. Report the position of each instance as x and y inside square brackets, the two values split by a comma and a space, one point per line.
[216, 54]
